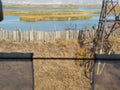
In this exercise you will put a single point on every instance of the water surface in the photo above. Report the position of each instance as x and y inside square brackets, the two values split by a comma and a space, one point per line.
[13, 22]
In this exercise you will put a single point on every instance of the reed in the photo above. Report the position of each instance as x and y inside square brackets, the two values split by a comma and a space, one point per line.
[47, 18]
[41, 6]
[47, 12]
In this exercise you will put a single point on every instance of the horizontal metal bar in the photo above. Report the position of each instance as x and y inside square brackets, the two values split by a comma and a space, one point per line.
[105, 56]
[109, 21]
[55, 58]
[48, 58]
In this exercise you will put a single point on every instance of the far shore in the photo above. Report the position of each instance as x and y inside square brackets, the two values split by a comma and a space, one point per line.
[51, 5]
[45, 15]
[41, 15]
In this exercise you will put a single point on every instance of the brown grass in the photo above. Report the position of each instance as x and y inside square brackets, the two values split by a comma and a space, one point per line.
[53, 17]
[52, 74]
[55, 74]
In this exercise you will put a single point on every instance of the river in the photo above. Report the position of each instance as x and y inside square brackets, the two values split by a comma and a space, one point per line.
[13, 22]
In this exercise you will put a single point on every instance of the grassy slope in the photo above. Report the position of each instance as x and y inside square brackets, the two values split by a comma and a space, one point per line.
[52, 74]
[55, 74]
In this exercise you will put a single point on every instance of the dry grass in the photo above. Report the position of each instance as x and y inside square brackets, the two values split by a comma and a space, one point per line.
[55, 17]
[52, 74]
[59, 75]
[49, 12]
[41, 6]
[51, 6]
[55, 74]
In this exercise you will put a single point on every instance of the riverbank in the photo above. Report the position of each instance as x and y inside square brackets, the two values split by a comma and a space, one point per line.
[51, 5]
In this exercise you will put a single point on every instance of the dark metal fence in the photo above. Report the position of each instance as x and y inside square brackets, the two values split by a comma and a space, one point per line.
[106, 74]
[16, 74]
[16, 71]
